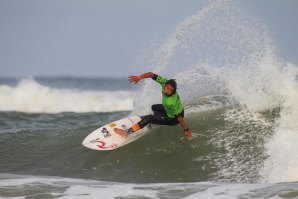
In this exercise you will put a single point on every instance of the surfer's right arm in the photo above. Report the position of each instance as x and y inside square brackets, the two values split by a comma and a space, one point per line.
[135, 79]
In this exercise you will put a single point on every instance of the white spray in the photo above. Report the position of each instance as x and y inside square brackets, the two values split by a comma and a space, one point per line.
[225, 51]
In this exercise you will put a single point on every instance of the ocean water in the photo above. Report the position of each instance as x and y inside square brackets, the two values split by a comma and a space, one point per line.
[240, 101]
[42, 155]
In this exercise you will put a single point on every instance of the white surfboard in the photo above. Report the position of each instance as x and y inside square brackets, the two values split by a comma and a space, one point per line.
[104, 138]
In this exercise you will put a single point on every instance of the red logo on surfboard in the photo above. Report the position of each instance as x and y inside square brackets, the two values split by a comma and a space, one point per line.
[102, 145]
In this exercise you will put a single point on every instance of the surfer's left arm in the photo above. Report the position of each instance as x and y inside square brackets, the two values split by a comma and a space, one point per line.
[187, 132]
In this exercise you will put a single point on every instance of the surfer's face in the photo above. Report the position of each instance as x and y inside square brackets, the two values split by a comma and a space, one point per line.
[168, 90]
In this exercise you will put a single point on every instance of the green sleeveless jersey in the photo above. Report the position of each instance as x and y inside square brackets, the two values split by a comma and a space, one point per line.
[172, 104]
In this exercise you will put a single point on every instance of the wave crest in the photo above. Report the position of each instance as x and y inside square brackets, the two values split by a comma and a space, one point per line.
[30, 96]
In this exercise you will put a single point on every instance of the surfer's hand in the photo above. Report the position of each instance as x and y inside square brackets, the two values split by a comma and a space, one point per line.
[188, 134]
[134, 79]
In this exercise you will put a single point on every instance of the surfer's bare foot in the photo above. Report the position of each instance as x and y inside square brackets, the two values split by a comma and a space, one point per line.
[121, 132]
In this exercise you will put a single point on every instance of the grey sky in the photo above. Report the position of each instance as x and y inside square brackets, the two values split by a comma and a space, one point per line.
[107, 37]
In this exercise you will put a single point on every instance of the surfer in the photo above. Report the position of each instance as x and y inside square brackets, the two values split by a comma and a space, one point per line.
[170, 112]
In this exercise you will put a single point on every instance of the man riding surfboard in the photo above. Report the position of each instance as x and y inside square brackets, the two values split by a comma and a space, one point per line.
[170, 112]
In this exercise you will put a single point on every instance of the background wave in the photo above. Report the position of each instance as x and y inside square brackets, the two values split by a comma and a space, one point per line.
[30, 96]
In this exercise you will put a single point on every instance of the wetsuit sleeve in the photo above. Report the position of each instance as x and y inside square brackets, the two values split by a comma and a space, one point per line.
[154, 76]
[178, 115]
[159, 79]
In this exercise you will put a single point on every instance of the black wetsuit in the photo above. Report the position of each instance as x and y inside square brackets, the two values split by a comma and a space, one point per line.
[159, 117]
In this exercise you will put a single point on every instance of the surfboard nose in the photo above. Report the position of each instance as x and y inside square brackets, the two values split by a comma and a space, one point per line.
[86, 143]
[89, 145]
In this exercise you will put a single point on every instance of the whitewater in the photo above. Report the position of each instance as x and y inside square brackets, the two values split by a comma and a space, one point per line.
[33, 97]
[240, 99]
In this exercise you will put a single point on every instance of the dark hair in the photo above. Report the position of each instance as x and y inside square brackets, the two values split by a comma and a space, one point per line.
[173, 83]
